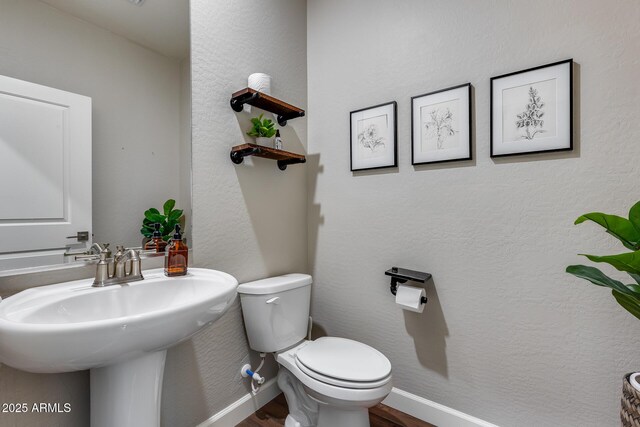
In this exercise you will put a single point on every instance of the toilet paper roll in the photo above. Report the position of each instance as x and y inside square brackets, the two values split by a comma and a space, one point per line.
[634, 380]
[410, 298]
[260, 82]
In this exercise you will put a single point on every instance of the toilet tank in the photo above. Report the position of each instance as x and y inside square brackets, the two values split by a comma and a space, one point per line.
[276, 311]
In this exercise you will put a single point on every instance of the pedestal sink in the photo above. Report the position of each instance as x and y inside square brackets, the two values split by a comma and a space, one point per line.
[120, 332]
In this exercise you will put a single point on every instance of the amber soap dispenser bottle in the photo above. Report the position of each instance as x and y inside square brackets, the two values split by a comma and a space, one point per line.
[176, 256]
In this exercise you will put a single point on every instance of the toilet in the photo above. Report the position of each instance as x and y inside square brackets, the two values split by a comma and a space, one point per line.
[328, 382]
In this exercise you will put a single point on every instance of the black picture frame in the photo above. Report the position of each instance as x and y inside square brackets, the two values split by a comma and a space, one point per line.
[392, 132]
[466, 150]
[567, 125]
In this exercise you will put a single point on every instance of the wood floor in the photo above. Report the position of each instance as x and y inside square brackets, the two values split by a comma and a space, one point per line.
[274, 413]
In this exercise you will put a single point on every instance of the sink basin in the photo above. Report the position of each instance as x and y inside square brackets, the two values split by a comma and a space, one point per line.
[120, 332]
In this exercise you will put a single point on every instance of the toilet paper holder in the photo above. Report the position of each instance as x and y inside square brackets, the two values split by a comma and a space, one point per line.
[401, 275]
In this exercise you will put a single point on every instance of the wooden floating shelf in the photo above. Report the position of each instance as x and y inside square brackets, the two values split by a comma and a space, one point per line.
[266, 102]
[284, 158]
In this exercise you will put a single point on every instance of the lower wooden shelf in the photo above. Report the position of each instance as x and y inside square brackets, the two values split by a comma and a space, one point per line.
[284, 158]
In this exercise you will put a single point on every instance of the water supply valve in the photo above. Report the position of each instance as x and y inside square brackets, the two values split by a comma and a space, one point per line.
[246, 372]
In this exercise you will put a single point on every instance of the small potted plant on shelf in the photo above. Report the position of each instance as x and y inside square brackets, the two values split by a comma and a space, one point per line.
[263, 130]
[627, 231]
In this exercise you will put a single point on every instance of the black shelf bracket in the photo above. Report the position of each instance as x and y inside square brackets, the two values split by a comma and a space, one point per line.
[401, 275]
[282, 119]
[282, 164]
[237, 103]
[238, 156]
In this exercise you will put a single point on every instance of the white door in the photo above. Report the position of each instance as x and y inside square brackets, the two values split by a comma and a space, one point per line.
[45, 168]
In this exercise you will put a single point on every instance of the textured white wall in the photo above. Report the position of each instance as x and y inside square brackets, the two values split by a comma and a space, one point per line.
[250, 219]
[507, 336]
[136, 107]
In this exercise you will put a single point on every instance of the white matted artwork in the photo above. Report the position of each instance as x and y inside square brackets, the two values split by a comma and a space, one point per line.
[532, 110]
[373, 137]
[441, 125]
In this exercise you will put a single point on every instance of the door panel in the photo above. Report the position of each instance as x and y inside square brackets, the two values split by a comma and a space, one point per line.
[45, 167]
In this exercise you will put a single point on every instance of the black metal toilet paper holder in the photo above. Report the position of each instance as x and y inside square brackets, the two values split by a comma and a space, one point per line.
[401, 275]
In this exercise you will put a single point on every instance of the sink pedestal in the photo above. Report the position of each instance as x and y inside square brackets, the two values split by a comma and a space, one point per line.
[128, 394]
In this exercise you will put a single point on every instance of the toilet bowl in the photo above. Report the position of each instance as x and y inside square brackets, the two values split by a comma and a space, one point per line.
[328, 382]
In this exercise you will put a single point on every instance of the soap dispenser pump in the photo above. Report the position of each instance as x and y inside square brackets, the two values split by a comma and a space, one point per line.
[176, 256]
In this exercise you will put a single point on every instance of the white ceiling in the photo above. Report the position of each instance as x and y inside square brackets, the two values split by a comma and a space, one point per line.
[160, 25]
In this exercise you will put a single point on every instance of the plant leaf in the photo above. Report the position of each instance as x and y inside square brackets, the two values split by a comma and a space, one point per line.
[618, 227]
[635, 289]
[635, 277]
[597, 277]
[629, 303]
[168, 206]
[154, 217]
[628, 261]
[145, 233]
[169, 226]
[175, 215]
[634, 216]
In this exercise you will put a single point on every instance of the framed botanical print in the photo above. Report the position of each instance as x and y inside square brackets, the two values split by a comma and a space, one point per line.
[532, 110]
[441, 125]
[373, 137]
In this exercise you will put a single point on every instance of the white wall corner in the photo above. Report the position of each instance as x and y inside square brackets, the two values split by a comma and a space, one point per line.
[431, 412]
[233, 414]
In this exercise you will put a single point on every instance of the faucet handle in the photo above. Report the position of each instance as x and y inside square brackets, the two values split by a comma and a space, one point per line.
[119, 253]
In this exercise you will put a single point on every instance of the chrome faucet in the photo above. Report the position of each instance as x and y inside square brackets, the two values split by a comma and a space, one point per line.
[126, 267]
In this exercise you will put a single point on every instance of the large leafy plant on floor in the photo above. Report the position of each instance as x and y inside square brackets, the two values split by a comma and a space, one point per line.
[167, 220]
[628, 232]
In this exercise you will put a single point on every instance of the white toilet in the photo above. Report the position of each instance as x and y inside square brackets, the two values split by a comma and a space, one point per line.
[329, 382]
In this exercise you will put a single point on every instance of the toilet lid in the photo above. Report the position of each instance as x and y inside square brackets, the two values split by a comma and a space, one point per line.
[344, 359]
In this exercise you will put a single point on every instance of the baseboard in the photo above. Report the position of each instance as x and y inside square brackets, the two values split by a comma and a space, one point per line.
[243, 407]
[431, 412]
[416, 406]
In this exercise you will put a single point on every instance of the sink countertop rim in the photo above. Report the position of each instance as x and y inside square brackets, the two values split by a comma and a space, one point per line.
[41, 293]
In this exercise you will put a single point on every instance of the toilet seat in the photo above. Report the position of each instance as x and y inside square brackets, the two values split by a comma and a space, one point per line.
[344, 363]
[341, 383]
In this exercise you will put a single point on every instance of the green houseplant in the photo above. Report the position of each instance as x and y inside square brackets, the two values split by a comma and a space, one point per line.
[627, 231]
[167, 220]
[262, 129]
